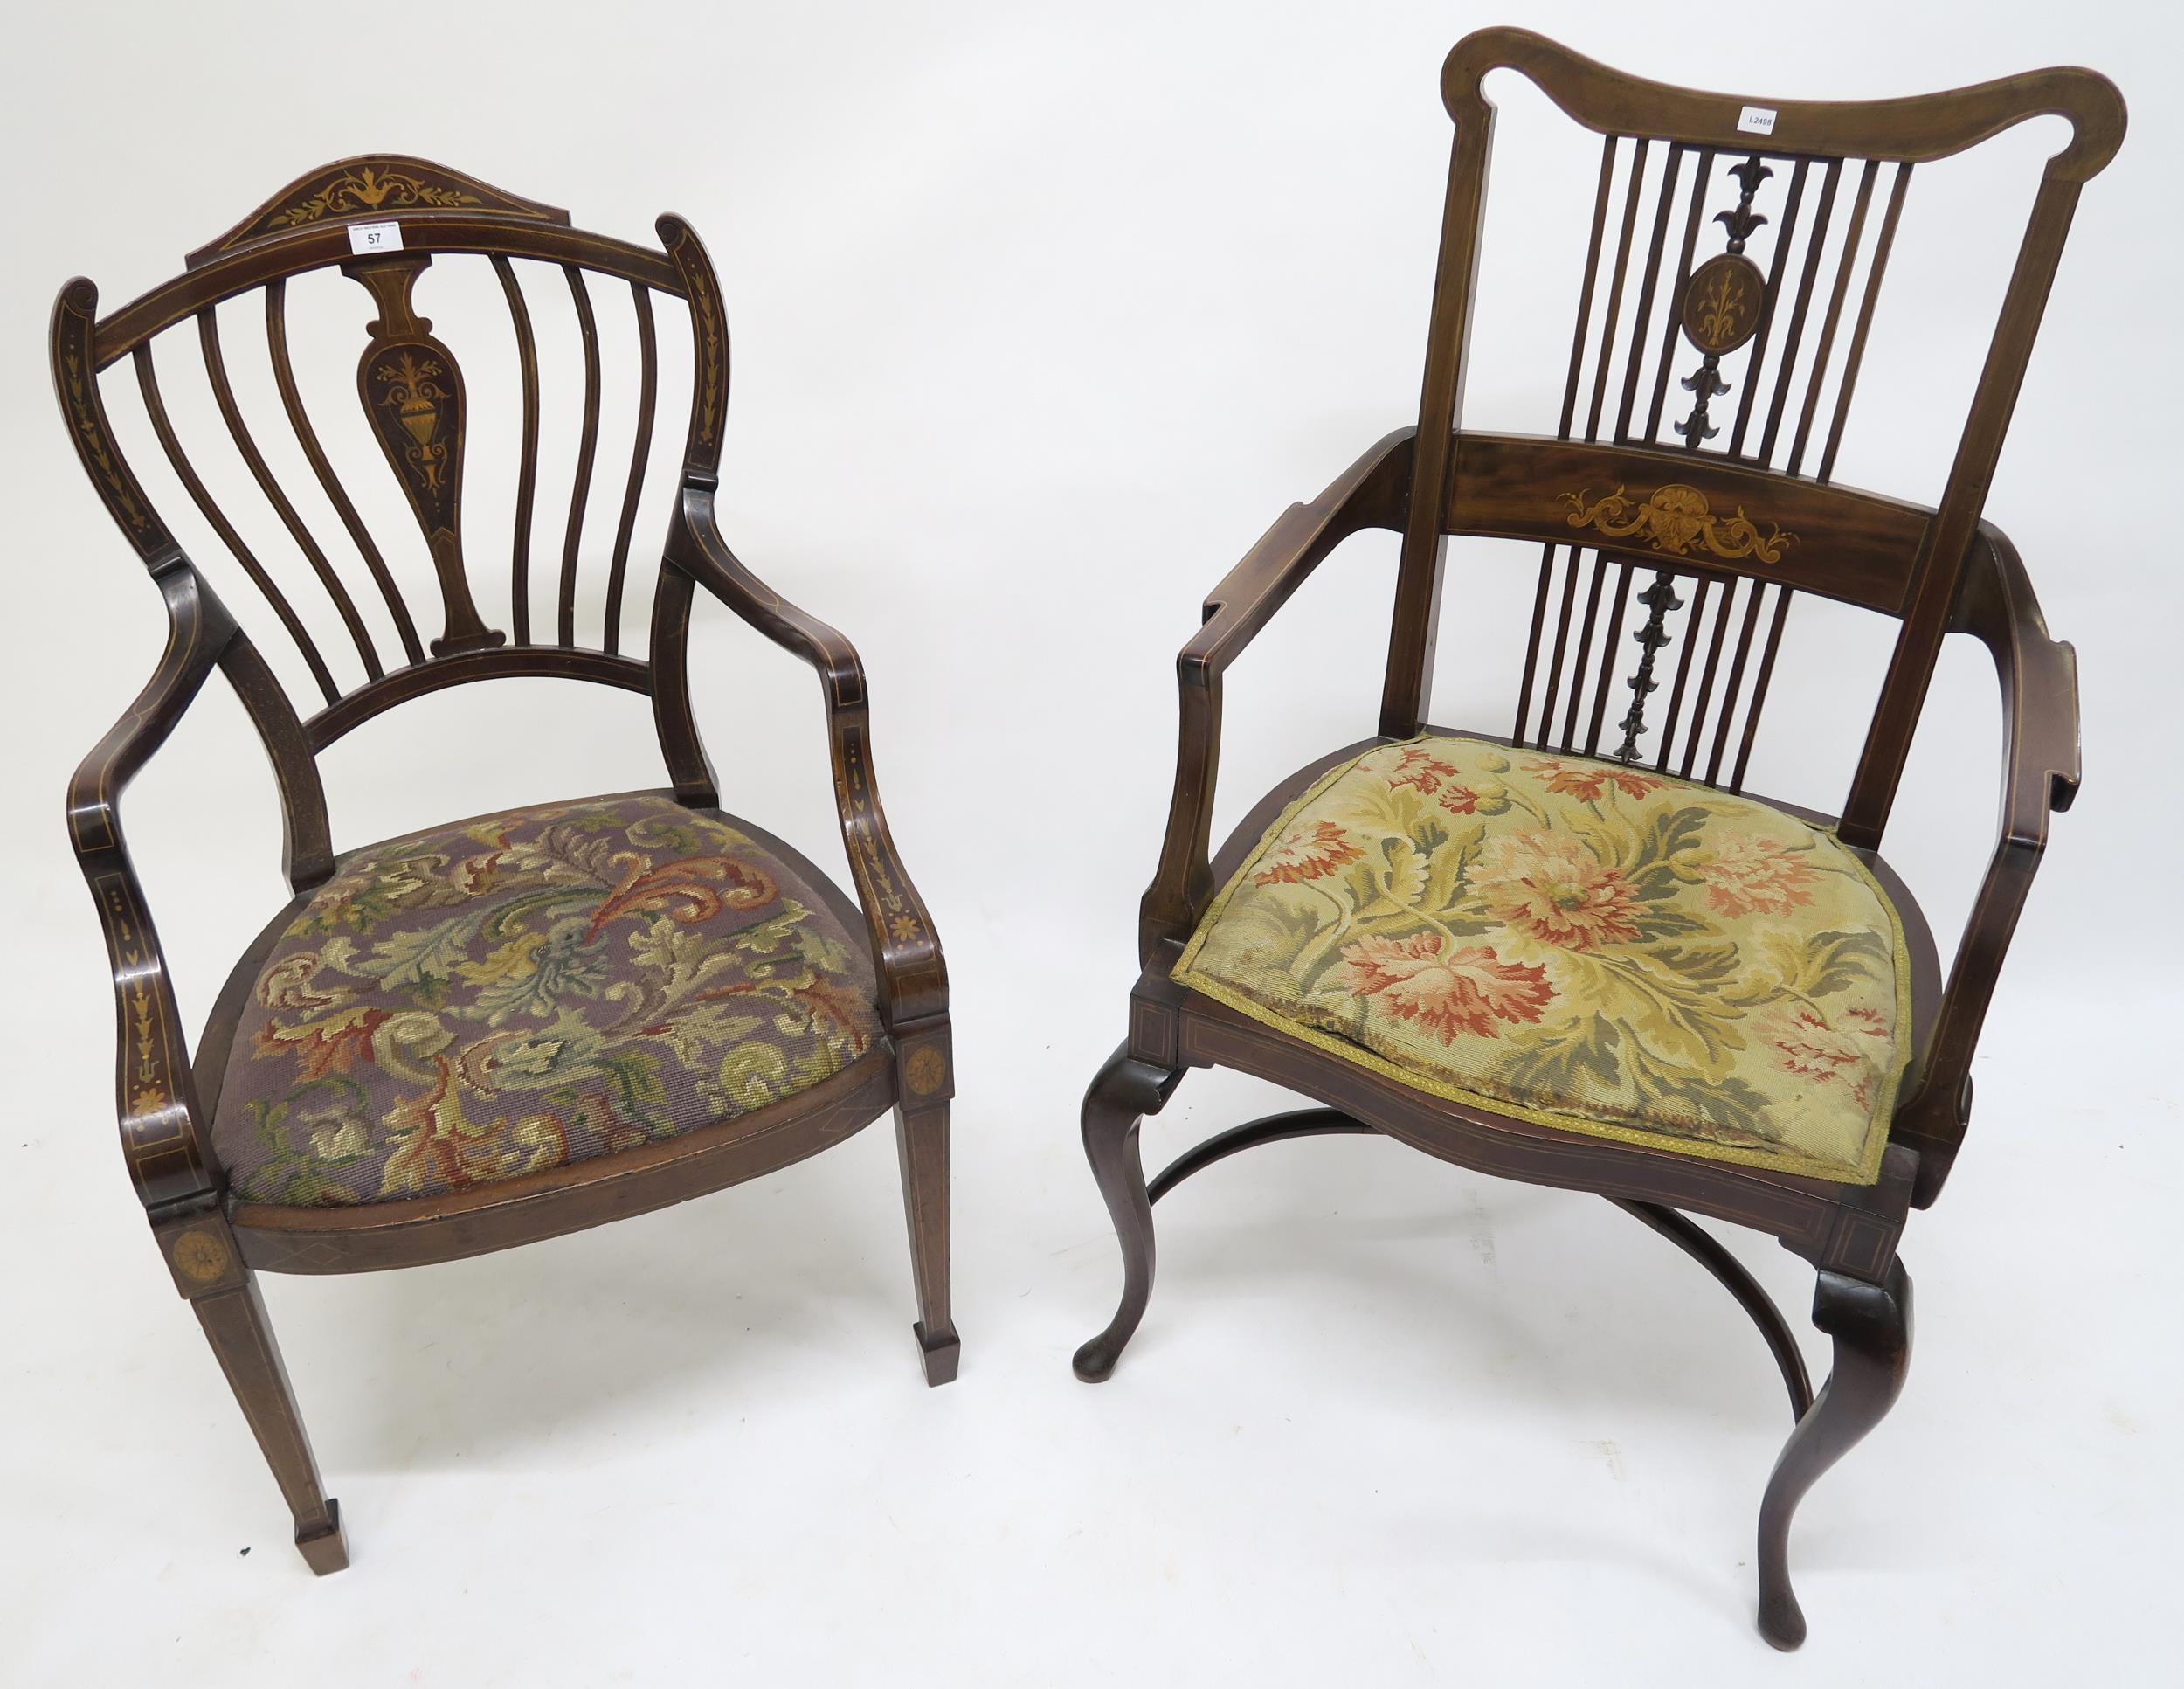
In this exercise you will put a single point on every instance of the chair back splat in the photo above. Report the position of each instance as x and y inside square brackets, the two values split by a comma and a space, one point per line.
[1704, 405]
[524, 1023]
[386, 221]
[1589, 976]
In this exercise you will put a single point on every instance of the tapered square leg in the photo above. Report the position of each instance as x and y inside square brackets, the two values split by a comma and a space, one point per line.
[920, 1136]
[235, 1324]
[325, 1550]
[941, 1354]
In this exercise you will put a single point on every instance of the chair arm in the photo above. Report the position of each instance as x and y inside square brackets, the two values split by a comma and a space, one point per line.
[906, 955]
[1371, 493]
[2040, 773]
[165, 1138]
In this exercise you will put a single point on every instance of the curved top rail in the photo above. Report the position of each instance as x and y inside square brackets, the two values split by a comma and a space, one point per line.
[371, 186]
[1913, 130]
[123, 330]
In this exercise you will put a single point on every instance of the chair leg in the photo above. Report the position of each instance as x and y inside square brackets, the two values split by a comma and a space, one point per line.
[920, 1139]
[234, 1321]
[1121, 1095]
[1871, 1326]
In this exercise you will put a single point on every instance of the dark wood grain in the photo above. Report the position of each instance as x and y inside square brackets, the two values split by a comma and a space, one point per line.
[215, 515]
[526, 470]
[1851, 546]
[1871, 1326]
[1730, 528]
[412, 390]
[1833, 315]
[246, 448]
[587, 451]
[1785, 243]
[322, 467]
[640, 456]
[1855, 361]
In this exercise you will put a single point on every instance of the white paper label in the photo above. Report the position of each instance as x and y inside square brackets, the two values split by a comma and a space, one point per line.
[1756, 119]
[374, 237]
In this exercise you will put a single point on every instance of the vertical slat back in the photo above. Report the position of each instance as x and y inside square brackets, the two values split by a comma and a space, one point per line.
[314, 453]
[186, 472]
[1768, 348]
[413, 390]
[587, 453]
[526, 472]
[640, 455]
[306, 528]
[1785, 243]
[1669, 323]
[247, 447]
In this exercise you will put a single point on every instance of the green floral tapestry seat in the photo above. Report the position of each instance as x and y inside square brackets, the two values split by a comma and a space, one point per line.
[530, 991]
[1580, 944]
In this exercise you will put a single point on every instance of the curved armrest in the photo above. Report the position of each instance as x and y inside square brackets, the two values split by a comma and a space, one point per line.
[163, 1139]
[2040, 778]
[1371, 493]
[905, 953]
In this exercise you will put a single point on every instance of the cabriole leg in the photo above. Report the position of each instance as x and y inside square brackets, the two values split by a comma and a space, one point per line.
[921, 1138]
[1122, 1094]
[223, 1293]
[1871, 1326]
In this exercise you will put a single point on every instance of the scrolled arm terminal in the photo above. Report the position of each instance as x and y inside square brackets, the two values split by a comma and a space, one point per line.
[1371, 493]
[906, 954]
[2041, 772]
[164, 1138]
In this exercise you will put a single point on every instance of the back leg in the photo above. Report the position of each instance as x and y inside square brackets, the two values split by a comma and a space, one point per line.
[1872, 1325]
[223, 1293]
[1122, 1094]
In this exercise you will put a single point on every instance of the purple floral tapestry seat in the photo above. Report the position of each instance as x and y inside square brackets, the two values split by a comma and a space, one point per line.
[529, 990]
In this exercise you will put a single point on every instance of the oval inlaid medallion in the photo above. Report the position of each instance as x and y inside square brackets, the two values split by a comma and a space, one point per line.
[926, 1071]
[201, 1256]
[1721, 303]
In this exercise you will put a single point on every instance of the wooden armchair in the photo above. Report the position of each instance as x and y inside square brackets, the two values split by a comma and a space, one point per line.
[1579, 957]
[525, 1023]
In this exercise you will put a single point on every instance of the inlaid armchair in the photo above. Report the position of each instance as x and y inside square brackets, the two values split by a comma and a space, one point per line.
[1574, 952]
[520, 1024]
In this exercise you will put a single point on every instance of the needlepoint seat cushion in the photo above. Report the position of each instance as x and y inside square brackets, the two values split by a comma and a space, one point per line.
[529, 990]
[1579, 944]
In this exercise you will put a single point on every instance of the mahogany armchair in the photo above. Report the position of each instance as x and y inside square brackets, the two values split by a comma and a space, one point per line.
[1582, 957]
[521, 1024]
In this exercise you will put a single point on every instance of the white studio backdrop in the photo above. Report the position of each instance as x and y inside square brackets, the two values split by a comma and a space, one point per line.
[1041, 313]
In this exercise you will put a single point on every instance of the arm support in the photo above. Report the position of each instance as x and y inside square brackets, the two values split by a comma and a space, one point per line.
[1371, 493]
[2040, 778]
[905, 953]
[164, 1138]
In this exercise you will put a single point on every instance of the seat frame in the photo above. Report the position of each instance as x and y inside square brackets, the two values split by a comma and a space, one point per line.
[213, 1242]
[1937, 570]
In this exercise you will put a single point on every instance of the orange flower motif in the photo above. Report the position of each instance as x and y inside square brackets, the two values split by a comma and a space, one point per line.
[683, 889]
[1750, 875]
[1587, 783]
[1468, 990]
[1307, 851]
[1419, 768]
[1804, 1043]
[333, 1045]
[1548, 885]
[1457, 800]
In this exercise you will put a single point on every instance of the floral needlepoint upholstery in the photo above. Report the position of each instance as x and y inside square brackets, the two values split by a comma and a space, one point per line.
[529, 990]
[1578, 944]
